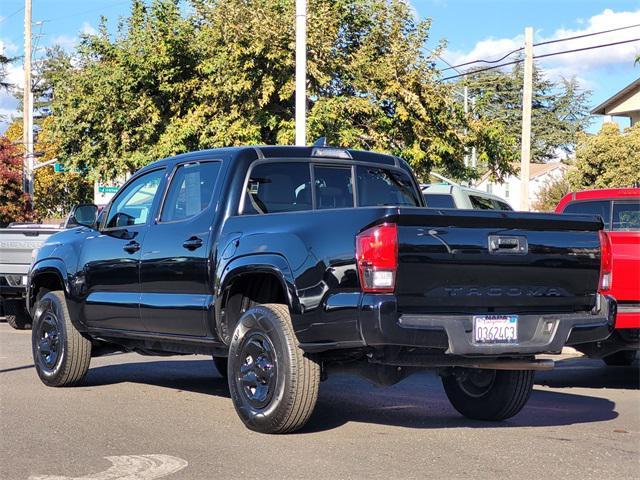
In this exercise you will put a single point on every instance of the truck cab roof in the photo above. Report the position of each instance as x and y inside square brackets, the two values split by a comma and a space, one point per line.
[259, 152]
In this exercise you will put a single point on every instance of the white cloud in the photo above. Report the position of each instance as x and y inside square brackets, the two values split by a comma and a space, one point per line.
[68, 42]
[15, 77]
[88, 29]
[65, 41]
[7, 47]
[579, 64]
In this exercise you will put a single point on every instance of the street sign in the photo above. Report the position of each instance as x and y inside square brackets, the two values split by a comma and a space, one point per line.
[104, 192]
[61, 168]
[108, 188]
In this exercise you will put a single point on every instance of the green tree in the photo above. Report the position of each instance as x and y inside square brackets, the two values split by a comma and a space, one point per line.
[609, 159]
[55, 193]
[560, 110]
[4, 63]
[223, 74]
[551, 194]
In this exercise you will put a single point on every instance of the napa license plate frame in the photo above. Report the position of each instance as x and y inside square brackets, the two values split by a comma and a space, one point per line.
[495, 329]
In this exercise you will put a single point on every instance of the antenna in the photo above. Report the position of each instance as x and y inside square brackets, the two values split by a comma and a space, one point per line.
[320, 142]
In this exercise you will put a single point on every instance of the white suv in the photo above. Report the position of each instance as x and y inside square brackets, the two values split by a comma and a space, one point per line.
[439, 195]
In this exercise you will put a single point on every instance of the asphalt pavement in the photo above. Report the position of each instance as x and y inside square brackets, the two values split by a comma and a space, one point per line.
[140, 418]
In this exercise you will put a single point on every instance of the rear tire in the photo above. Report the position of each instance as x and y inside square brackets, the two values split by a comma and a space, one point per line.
[16, 313]
[273, 385]
[623, 358]
[60, 353]
[488, 394]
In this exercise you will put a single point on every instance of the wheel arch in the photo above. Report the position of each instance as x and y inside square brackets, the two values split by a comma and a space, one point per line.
[46, 274]
[253, 279]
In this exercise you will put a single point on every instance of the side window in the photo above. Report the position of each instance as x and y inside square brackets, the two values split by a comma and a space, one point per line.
[190, 191]
[279, 187]
[498, 205]
[439, 200]
[481, 203]
[597, 207]
[380, 186]
[133, 205]
[626, 216]
[334, 187]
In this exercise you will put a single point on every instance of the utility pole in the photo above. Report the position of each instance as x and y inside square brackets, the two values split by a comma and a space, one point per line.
[27, 105]
[301, 72]
[466, 112]
[525, 155]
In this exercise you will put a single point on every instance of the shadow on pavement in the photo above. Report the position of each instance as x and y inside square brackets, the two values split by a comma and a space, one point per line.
[417, 402]
[13, 369]
[420, 402]
[587, 373]
[198, 376]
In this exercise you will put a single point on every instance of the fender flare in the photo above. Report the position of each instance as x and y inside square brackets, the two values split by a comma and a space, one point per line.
[273, 264]
[46, 266]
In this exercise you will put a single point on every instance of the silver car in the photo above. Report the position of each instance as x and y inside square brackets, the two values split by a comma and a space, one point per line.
[440, 195]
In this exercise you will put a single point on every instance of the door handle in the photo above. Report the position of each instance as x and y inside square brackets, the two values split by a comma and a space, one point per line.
[131, 247]
[192, 243]
[508, 244]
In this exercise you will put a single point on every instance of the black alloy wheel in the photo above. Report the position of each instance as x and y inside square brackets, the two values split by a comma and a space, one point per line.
[258, 374]
[48, 340]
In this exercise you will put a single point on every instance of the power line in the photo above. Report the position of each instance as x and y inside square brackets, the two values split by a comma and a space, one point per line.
[472, 72]
[587, 48]
[586, 35]
[87, 11]
[548, 42]
[12, 14]
[482, 60]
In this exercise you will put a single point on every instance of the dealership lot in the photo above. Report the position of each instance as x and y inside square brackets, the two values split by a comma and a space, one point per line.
[172, 416]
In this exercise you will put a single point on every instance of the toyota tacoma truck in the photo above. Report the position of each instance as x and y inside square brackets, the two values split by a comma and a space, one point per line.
[289, 263]
[620, 211]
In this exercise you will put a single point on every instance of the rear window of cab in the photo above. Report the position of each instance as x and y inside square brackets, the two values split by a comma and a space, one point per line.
[275, 187]
[617, 215]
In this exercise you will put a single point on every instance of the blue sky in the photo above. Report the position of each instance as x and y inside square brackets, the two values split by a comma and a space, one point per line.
[473, 29]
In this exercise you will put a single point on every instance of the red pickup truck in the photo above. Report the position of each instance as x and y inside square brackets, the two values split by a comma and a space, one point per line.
[620, 210]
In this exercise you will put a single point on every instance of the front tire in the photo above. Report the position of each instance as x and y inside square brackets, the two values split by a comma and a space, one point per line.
[273, 385]
[16, 313]
[60, 353]
[623, 358]
[484, 394]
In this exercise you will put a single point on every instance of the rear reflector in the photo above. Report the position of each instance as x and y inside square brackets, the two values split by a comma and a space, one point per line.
[606, 261]
[377, 257]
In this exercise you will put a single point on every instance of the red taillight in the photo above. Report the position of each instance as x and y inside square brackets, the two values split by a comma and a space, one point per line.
[606, 261]
[377, 256]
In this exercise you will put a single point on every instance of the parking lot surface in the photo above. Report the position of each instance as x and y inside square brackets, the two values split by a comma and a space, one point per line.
[140, 418]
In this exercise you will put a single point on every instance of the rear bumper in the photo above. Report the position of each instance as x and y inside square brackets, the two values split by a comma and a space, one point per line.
[627, 317]
[381, 326]
[11, 291]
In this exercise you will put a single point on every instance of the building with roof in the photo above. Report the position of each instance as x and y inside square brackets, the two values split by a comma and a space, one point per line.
[625, 103]
[511, 187]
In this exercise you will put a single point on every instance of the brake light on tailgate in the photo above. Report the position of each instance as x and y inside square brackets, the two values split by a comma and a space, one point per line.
[377, 257]
[606, 262]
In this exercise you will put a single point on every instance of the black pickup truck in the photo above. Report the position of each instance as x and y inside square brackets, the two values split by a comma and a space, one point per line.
[289, 263]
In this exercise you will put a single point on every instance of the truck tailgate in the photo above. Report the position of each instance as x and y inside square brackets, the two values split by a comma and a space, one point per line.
[462, 261]
[16, 246]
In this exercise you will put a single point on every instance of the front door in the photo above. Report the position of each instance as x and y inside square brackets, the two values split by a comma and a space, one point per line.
[174, 275]
[110, 259]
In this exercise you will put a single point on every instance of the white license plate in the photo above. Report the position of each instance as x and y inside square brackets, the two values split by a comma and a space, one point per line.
[495, 328]
[24, 280]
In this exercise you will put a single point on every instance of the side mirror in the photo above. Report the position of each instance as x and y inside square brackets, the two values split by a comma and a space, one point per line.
[85, 215]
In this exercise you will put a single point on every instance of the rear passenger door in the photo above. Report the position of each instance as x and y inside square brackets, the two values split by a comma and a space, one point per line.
[174, 271]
